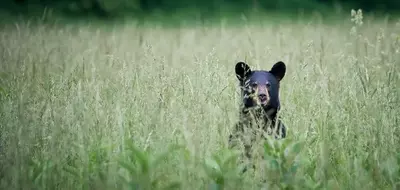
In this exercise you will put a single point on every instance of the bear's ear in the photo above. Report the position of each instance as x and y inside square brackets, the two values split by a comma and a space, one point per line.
[242, 70]
[278, 70]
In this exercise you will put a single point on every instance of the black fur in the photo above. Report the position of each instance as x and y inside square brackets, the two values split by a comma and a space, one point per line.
[257, 119]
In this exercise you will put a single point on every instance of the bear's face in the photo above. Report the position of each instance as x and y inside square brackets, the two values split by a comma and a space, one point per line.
[260, 87]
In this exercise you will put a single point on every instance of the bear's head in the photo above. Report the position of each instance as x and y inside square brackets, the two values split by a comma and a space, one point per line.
[260, 88]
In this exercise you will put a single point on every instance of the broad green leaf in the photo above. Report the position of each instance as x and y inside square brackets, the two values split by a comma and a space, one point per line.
[268, 148]
[230, 160]
[123, 179]
[398, 158]
[283, 185]
[2, 91]
[211, 163]
[212, 169]
[286, 143]
[294, 168]
[156, 161]
[217, 159]
[132, 170]
[38, 178]
[156, 180]
[71, 170]
[274, 164]
[277, 145]
[333, 185]
[173, 185]
[141, 157]
[311, 184]
[297, 147]
[215, 186]
[134, 186]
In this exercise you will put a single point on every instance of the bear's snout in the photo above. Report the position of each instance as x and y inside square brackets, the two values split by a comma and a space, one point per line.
[263, 95]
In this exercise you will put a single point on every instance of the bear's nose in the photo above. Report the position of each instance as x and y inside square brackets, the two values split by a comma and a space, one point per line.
[262, 96]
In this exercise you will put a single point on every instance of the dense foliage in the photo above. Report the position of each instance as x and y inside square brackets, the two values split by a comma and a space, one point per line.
[109, 8]
[146, 107]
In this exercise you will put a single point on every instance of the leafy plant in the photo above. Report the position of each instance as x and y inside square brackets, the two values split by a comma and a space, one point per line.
[283, 160]
[222, 169]
[141, 167]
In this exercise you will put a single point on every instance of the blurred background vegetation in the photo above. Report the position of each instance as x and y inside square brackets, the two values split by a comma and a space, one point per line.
[199, 9]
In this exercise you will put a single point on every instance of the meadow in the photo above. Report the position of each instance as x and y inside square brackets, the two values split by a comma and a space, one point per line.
[151, 107]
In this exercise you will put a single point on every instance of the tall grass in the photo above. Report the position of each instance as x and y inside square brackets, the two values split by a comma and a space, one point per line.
[126, 107]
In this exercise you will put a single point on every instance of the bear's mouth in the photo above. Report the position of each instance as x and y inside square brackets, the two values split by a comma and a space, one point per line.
[263, 102]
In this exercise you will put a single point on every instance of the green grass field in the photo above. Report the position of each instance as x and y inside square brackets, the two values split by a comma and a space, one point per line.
[128, 107]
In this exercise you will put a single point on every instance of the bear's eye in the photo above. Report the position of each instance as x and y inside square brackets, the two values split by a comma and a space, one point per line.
[254, 84]
[268, 84]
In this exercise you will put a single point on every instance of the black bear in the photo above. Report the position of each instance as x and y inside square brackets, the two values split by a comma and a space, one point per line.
[260, 104]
